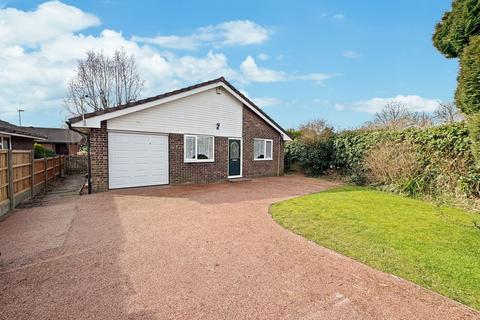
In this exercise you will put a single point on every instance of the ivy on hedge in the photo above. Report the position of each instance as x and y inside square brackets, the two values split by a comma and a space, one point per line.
[346, 150]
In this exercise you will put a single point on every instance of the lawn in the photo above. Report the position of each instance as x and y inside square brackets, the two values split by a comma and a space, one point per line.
[435, 247]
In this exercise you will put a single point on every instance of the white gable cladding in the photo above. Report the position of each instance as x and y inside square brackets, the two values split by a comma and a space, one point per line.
[195, 114]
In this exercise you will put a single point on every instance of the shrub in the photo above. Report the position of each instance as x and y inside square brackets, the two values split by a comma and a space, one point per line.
[392, 163]
[41, 152]
[443, 153]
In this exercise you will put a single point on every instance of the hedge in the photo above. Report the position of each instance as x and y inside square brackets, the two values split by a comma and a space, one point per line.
[443, 152]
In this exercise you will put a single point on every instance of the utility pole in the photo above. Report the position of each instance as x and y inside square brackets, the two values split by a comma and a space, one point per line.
[20, 116]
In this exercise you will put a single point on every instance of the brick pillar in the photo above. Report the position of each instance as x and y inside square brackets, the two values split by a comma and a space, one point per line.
[99, 157]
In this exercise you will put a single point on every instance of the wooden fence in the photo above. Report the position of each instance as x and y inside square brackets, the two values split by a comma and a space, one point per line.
[22, 176]
[75, 164]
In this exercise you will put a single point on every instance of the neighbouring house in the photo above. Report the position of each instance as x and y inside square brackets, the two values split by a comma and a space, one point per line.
[203, 133]
[59, 140]
[17, 138]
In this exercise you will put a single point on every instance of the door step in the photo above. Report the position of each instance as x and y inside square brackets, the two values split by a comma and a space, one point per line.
[234, 180]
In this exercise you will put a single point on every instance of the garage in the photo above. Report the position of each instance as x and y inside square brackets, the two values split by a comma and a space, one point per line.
[136, 160]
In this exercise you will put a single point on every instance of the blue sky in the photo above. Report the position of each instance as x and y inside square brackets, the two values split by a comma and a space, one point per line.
[336, 60]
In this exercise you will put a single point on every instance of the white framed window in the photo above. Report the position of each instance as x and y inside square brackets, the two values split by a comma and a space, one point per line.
[262, 149]
[199, 148]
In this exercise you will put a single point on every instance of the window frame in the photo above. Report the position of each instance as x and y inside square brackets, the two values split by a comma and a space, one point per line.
[196, 136]
[264, 143]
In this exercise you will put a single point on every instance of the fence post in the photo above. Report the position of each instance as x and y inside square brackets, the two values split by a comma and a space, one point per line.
[45, 161]
[61, 168]
[10, 180]
[32, 173]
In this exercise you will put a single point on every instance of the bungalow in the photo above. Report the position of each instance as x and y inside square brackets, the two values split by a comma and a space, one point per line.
[203, 133]
[17, 138]
[59, 140]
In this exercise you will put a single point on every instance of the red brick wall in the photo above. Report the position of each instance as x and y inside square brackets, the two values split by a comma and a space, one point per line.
[203, 172]
[256, 128]
[73, 148]
[181, 172]
[99, 157]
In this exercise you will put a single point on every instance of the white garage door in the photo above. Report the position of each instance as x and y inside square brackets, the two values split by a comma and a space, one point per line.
[136, 160]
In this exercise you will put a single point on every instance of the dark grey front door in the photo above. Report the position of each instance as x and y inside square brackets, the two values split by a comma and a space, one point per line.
[234, 157]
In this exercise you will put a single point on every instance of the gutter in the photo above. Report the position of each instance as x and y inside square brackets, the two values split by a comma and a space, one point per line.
[89, 174]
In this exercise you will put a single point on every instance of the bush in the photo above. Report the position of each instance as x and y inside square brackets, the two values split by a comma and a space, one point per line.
[313, 158]
[393, 163]
[443, 153]
[41, 152]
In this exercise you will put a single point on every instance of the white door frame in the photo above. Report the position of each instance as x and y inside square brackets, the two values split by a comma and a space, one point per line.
[241, 158]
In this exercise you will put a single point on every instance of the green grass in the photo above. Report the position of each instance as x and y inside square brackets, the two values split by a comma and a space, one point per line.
[435, 247]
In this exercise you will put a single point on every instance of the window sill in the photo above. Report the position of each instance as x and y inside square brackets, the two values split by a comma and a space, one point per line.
[199, 161]
[262, 159]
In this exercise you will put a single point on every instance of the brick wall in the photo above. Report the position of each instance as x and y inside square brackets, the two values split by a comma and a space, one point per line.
[99, 157]
[181, 172]
[256, 128]
[203, 172]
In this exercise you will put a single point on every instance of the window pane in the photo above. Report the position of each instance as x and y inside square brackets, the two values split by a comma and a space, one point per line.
[258, 149]
[190, 148]
[205, 148]
[268, 149]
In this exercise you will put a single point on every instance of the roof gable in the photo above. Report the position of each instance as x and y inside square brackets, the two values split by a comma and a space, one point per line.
[93, 119]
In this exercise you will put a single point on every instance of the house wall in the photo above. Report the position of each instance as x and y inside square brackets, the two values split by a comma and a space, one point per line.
[99, 157]
[49, 146]
[73, 148]
[21, 143]
[182, 173]
[202, 172]
[255, 128]
[195, 114]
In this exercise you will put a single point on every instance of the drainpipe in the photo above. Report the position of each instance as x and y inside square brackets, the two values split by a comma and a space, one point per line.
[89, 174]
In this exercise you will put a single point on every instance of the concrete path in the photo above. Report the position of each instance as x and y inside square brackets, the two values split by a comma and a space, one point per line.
[191, 252]
[67, 186]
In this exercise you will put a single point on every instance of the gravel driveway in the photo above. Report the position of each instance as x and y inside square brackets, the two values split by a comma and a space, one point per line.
[191, 252]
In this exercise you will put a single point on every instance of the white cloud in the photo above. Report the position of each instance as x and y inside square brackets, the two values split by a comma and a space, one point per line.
[412, 102]
[316, 77]
[264, 102]
[349, 54]
[238, 32]
[251, 72]
[263, 56]
[50, 19]
[339, 16]
[39, 51]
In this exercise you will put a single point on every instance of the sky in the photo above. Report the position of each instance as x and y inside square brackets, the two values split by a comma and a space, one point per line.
[341, 61]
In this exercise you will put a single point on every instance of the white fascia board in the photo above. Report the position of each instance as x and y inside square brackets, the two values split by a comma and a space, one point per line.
[9, 134]
[94, 122]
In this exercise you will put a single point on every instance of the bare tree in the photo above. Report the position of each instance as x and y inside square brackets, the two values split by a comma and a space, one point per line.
[315, 130]
[102, 82]
[447, 113]
[396, 116]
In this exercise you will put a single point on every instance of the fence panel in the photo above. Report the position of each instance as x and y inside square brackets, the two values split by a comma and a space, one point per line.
[21, 163]
[50, 168]
[76, 164]
[3, 175]
[39, 171]
[20, 173]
